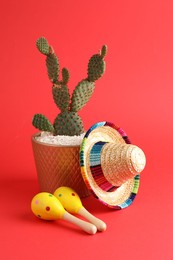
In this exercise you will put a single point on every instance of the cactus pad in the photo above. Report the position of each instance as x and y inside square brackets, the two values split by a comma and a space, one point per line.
[68, 123]
[103, 51]
[42, 45]
[52, 64]
[65, 76]
[96, 65]
[42, 123]
[61, 96]
[81, 95]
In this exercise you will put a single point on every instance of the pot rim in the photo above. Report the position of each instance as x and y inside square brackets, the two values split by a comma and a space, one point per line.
[52, 145]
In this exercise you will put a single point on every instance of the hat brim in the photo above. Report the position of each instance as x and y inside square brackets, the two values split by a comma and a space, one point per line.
[114, 197]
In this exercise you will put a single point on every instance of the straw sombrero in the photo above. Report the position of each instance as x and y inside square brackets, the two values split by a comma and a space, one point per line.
[111, 165]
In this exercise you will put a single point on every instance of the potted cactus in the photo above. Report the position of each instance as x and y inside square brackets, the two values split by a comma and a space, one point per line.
[58, 165]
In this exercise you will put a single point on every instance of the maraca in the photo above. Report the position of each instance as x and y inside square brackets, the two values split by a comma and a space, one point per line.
[46, 206]
[72, 203]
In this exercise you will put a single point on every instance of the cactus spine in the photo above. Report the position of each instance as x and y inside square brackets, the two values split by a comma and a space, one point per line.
[68, 122]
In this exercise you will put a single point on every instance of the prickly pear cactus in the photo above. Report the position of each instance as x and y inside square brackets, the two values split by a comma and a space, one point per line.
[81, 95]
[68, 122]
[96, 65]
[41, 122]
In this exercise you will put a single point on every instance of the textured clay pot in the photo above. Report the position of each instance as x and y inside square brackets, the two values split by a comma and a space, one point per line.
[58, 166]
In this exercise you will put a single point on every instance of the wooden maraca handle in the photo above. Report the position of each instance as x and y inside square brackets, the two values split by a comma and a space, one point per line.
[87, 227]
[101, 226]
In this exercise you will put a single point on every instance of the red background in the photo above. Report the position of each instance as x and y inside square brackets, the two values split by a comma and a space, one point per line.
[136, 92]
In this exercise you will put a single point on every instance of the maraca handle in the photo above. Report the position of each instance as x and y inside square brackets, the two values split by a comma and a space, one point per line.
[87, 227]
[101, 226]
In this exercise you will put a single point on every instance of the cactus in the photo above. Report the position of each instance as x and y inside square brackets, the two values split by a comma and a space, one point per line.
[42, 122]
[68, 122]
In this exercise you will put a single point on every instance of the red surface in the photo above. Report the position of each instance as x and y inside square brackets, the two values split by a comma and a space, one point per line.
[136, 92]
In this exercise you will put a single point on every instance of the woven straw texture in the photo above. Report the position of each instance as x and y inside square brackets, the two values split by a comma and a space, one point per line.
[120, 162]
[58, 166]
[112, 196]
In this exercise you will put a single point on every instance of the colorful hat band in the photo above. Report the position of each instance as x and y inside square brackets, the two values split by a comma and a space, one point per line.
[96, 169]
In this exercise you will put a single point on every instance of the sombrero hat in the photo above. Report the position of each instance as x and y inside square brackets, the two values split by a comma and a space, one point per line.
[110, 165]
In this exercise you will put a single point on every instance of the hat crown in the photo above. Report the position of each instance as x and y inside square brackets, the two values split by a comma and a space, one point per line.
[121, 162]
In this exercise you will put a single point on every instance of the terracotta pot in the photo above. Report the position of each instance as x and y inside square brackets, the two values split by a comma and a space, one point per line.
[58, 166]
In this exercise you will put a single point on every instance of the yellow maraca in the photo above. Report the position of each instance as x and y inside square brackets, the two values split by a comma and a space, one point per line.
[72, 203]
[46, 206]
